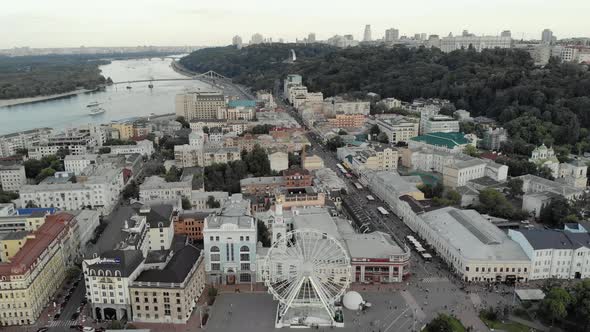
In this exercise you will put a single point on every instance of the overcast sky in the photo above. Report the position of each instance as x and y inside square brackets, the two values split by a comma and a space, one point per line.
[71, 23]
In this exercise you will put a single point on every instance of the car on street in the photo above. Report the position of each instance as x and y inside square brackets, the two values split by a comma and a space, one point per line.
[75, 316]
[42, 329]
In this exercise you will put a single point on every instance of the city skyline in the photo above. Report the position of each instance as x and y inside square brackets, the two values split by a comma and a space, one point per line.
[67, 23]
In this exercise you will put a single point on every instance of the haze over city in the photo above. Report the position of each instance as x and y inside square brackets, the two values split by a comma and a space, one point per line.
[256, 166]
[70, 23]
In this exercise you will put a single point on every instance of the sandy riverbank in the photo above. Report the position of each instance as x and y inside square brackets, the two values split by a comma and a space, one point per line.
[20, 101]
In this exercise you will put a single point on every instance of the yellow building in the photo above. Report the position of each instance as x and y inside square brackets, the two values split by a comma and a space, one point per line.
[11, 243]
[30, 278]
[125, 130]
[312, 162]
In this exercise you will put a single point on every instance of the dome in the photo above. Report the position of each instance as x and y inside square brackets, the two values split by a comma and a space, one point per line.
[352, 300]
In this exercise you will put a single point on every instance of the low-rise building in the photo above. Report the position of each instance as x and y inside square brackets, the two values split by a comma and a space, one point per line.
[493, 138]
[475, 249]
[279, 161]
[144, 148]
[261, 185]
[169, 294]
[440, 124]
[200, 199]
[312, 162]
[555, 254]
[449, 142]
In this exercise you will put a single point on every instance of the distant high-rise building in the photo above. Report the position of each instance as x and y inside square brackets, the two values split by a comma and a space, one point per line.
[311, 38]
[256, 39]
[423, 36]
[237, 41]
[391, 35]
[367, 35]
[546, 36]
[417, 36]
[506, 33]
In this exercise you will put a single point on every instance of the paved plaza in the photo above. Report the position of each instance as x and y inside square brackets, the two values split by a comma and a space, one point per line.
[402, 307]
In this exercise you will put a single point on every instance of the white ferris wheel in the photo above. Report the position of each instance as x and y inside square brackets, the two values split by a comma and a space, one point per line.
[307, 272]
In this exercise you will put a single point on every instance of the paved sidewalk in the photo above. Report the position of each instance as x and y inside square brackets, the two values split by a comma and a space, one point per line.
[535, 325]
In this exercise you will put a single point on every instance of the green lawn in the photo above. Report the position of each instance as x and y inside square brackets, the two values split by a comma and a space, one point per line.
[452, 321]
[509, 326]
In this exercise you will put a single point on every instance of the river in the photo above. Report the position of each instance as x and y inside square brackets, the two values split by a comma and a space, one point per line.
[119, 102]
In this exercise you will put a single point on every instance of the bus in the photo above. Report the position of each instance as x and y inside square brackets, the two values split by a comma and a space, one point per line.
[358, 186]
[382, 210]
[370, 198]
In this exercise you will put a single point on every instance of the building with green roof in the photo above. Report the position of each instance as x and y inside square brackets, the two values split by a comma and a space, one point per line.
[451, 142]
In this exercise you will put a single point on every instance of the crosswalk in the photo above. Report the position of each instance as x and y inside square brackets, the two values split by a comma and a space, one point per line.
[430, 280]
[60, 323]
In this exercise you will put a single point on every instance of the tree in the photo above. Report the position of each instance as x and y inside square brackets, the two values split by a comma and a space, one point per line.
[173, 174]
[581, 303]
[263, 234]
[383, 138]
[555, 304]
[558, 212]
[294, 159]
[131, 190]
[374, 131]
[335, 143]
[442, 323]
[45, 173]
[495, 203]
[470, 150]
[7, 196]
[186, 203]
[515, 187]
[212, 203]
[342, 132]
[104, 150]
[183, 122]
[62, 153]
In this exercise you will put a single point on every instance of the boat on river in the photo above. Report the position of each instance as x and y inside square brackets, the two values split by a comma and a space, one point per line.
[97, 111]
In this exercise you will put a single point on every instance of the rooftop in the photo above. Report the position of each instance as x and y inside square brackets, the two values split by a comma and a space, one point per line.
[123, 261]
[450, 140]
[372, 245]
[177, 268]
[155, 214]
[35, 245]
[472, 235]
[234, 210]
[541, 239]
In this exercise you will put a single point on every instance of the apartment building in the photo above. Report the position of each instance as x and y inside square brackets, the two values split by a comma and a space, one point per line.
[230, 238]
[335, 105]
[398, 129]
[28, 139]
[77, 163]
[347, 120]
[156, 188]
[169, 294]
[12, 177]
[376, 157]
[32, 275]
[478, 43]
[312, 162]
[76, 142]
[99, 188]
[125, 130]
[199, 105]
[191, 224]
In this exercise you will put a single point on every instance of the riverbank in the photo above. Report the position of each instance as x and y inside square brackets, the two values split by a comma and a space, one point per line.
[177, 67]
[30, 100]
